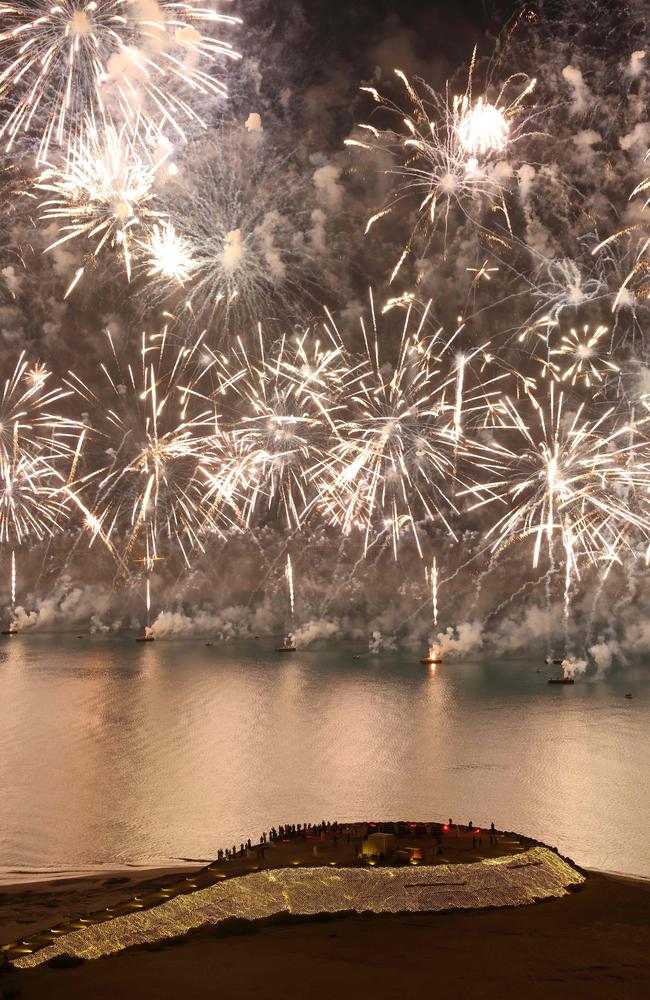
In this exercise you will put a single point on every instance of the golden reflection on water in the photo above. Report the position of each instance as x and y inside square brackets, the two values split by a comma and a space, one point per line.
[113, 751]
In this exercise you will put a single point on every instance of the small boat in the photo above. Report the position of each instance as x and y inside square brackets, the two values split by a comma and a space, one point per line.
[288, 646]
[144, 638]
[12, 630]
[208, 643]
[561, 680]
[628, 694]
[357, 656]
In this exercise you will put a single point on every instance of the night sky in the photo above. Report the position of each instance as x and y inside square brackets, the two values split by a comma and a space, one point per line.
[302, 199]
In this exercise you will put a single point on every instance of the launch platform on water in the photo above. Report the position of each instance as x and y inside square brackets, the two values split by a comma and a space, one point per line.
[561, 680]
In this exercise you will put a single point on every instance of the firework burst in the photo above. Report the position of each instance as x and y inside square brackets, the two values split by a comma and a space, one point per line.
[286, 399]
[103, 192]
[451, 152]
[30, 417]
[581, 357]
[567, 477]
[245, 237]
[71, 61]
[167, 255]
[156, 430]
[32, 499]
[400, 435]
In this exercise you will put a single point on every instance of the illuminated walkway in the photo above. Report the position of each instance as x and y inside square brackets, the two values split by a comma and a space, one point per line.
[507, 881]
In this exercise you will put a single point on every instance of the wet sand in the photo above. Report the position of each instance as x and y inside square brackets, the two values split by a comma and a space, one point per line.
[593, 943]
[26, 907]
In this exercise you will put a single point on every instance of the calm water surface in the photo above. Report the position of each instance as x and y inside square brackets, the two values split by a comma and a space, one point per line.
[114, 752]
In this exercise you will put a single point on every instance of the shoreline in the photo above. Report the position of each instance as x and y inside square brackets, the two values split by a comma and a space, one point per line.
[31, 908]
[596, 935]
[134, 875]
[28, 880]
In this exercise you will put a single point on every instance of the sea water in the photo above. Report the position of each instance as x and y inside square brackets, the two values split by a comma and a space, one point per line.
[116, 753]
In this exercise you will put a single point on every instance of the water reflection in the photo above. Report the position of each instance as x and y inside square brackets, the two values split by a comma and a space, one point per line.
[114, 751]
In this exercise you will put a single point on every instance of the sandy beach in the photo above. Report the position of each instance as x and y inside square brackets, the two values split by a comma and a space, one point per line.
[593, 943]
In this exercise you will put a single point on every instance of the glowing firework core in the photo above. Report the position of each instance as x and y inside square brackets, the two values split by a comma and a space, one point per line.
[483, 129]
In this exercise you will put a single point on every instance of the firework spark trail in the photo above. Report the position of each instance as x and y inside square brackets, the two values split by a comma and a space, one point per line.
[65, 62]
[635, 283]
[102, 192]
[400, 435]
[449, 154]
[289, 576]
[527, 585]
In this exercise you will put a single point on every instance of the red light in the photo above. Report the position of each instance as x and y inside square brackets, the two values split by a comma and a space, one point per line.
[477, 831]
[445, 827]
[413, 825]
